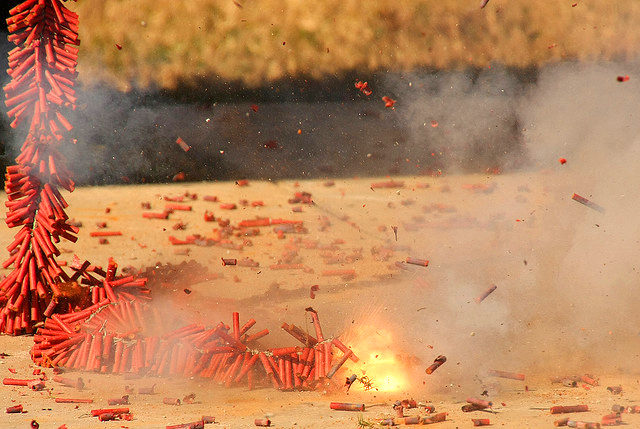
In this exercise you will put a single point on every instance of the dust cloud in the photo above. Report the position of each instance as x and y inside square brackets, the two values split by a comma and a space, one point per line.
[566, 276]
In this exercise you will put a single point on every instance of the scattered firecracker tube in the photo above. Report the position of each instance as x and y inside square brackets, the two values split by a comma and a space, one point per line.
[481, 422]
[346, 406]
[124, 400]
[438, 361]
[506, 374]
[149, 390]
[181, 207]
[561, 422]
[417, 261]
[613, 419]
[229, 261]
[583, 425]
[153, 215]
[469, 408]
[563, 409]
[589, 379]
[73, 401]
[624, 78]
[105, 233]
[262, 422]
[480, 402]
[17, 382]
[588, 203]
[388, 184]
[171, 401]
[486, 293]
[562, 160]
[183, 145]
[15, 409]
[114, 411]
[615, 390]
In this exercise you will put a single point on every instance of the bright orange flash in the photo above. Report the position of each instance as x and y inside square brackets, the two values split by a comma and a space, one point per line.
[378, 361]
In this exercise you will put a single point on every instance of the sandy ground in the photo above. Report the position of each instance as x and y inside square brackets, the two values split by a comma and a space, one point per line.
[475, 230]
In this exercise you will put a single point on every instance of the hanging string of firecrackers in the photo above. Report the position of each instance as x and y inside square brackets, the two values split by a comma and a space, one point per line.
[42, 70]
[108, 328]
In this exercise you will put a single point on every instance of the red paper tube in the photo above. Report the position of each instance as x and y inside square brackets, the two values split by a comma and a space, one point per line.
[74, 317]
[345, 406]
[300, 335]
[171, 401]
[288, 376]
[436, 364]
[506, 374]
[15, 409]
[343, 273]
[104, 233]
[389, 184]
[262, 422]
[73, 401]
[184, 331]
[316, 324]
[146, 390]
[339, 364]
[287, 267]
[257, 336]
[284, 351]
[233, 369]
[124, 400]
[302, 361]
[193, 425]
[229, 261]
[250, 223]
[327, 357]
[563, 409]
[22, 7]
[247, 326]
[247, 367]
[152, 215]
[480, 402]
[16, 382]
[613, 419]
[182, 207]
[588, 203]
[22, 16]
[436, 418]
[589, 380]
[486, 293]
[77, 383]
[417, 261]
[115, 411]
[232, 341]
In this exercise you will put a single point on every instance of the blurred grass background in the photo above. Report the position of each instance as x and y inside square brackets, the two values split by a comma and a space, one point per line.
[168, 44]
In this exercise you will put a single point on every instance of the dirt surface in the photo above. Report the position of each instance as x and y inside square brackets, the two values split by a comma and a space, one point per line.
[521, 232]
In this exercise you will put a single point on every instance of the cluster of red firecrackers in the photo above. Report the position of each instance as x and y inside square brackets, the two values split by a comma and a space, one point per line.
[112, 336]
[92, 319]
[42, 70]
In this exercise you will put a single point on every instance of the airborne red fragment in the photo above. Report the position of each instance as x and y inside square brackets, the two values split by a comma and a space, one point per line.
[183, 145]
[388, 102]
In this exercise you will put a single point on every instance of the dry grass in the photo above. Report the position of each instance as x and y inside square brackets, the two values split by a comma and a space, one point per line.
[166, 42]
